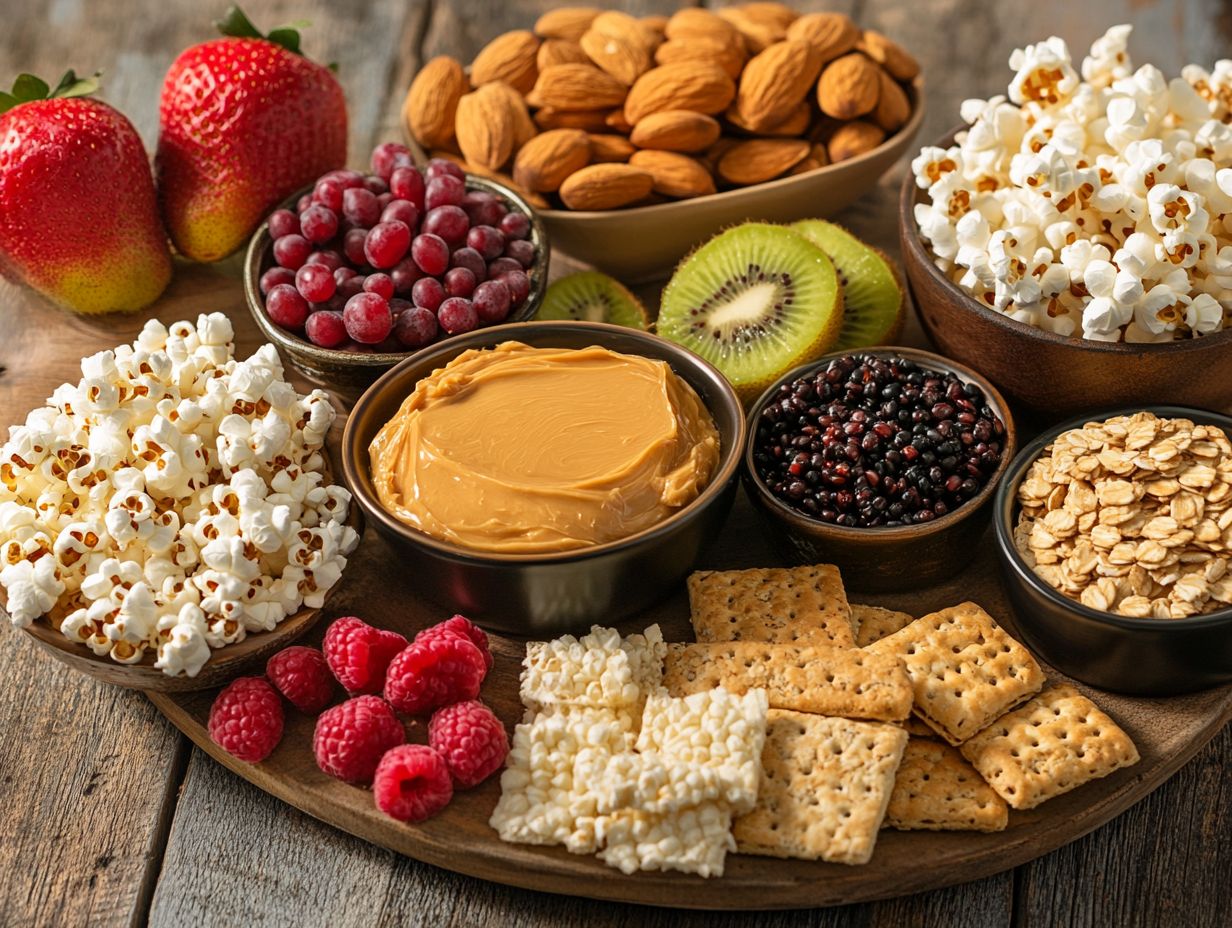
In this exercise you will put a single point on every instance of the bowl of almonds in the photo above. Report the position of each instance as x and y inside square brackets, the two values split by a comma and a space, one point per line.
[637, 138]
[1114, 533]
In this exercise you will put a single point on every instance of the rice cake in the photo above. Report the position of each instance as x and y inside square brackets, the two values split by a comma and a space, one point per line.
[827, 681]
[824, 788]
[937, 790]
[1055, 743]
[784, 605]
[872, 623]
[965, 669]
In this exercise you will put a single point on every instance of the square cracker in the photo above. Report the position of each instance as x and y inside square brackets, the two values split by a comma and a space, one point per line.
[872, 623]
[937, 790]
[1056, 742]
[824, 788]
[965, 670]
[785, 605]
[827, 681]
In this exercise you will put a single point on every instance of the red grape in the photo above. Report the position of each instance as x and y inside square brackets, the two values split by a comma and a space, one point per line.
[275, 276]
[376, 184]
[445, 190]
[360, 207]
[351, 286]
[439, 167]
[292, 251]
[403, 211]
[472, 260]
[344, 177]
[515, 225]
[367, 318]
[449, 222]
[326, 329]
[384, 199]
[486, 240]
[353, 246]
[483, 208]
[328, 193]
[407, 184]
[380, 284]
[390, 155]
[319, 223]
[404, 275]
[459, 281]
[428, 293]
[521, 251]
[415, 327]
[518, 284]
[492, 300]
[386, 243]
[430, 253]
[501, 265]
[303, 203]
[283, 222]
[315, 282]
[328, 258]
[457, 315]
[286, 307]
[344, 273]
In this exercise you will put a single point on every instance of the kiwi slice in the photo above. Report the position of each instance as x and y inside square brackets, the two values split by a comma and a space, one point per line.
[874, 301]
[754, 301]
[593, 297]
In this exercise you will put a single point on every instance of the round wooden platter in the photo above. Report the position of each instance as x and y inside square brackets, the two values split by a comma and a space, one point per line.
[1167, 731]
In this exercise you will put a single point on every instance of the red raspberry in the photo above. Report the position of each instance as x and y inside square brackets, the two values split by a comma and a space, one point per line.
[461, 625]
[471, 739]
[359, 654]
[351, 738]
[412, 783]
[302, 675]
[434, 672]
[246, 719]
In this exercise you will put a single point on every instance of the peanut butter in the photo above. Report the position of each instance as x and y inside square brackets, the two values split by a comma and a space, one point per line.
[521, 450]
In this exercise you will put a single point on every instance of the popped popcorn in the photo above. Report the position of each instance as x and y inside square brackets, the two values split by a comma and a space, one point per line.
[170, 502]
[1094, 201]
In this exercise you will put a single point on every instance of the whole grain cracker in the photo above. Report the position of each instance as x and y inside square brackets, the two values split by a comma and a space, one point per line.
[785, 605]
[828, 681]
[964, 668]
[937, 790]
[824, 788]
[1055, 743]
[872, 623]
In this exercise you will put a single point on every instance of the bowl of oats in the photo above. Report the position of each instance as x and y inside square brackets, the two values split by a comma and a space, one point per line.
[1114, 535]
[1071, 239]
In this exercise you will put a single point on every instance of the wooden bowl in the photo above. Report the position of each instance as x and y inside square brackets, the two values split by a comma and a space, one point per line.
[349, 373]
[1052, 375]
[881, 559]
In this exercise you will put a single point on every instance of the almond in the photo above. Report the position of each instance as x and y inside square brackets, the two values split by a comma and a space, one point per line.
[656, 23]
[729, 56]
[712, 155]
[510, 58]
[545, 161]
[569, 22]
[775, 83]
[893, 106]
[524, 128]
[675, 175]
[587, 120]
[696, 23]
[854, 138]
[577, 87]
[848, 87]
[616, 121]
[560, 51]
[760, 160]
[676, 130]
[890, 55]
[605, 186]
[830, 34]
[607, 148]
[761, 24]
[432, 102]
[485, 127]
[616, 23]
[795, 125]
[817, 158]
[625, 56]
[684, 85]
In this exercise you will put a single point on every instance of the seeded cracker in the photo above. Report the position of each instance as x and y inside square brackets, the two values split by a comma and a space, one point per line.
[965, 670]
[872, 623]
[785, 605]
[827, 681]
[937, 790]
[1056, 742]
[824, 788]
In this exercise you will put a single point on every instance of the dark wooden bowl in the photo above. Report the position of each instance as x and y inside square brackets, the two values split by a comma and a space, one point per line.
[1143, 657]
[1053, 375]
[890, 558]
[349, 373]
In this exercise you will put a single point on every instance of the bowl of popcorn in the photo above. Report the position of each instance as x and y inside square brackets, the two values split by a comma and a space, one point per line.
[1114, 534]
[169, 518]
[1073, 240]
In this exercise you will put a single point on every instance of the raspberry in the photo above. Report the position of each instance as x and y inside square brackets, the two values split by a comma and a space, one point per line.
[246, 719]
[301, 675]
[461, 625]
[359, 654]
[434, 672]
[351, 738]
[412, 783]
[471, 739]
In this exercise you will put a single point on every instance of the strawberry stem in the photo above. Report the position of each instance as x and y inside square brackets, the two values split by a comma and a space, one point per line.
[235, 23]
[27, 88]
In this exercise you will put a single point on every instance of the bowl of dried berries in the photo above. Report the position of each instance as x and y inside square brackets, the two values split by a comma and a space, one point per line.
[882, 461]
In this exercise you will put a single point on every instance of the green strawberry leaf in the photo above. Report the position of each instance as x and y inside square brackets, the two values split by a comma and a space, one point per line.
[237, 25]
[73, 86]
[27, 88]
[287, 37]
[7, 101]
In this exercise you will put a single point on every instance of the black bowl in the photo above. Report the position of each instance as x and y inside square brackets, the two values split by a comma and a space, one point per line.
[544, 595]
[1146, 657]
[886, 558]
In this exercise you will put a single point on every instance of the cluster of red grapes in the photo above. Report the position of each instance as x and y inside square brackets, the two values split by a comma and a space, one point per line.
[390, 260]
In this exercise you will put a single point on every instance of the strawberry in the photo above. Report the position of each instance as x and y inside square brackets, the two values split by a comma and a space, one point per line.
[244, 121]
[78, 214]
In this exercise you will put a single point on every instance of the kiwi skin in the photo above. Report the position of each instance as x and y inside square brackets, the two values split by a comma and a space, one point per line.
[593, 296]
[814, 344]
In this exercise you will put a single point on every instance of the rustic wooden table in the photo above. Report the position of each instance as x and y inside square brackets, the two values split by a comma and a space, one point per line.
[109, 817]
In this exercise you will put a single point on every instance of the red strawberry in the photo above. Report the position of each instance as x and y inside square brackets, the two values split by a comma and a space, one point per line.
[78, 215]
[244, 122]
